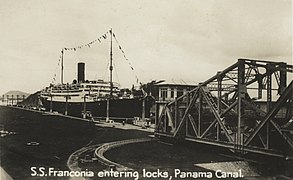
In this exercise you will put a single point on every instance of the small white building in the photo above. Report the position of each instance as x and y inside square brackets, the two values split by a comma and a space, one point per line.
[167, 92]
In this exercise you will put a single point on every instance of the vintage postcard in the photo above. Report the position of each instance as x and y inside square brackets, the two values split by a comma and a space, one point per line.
[146, 89]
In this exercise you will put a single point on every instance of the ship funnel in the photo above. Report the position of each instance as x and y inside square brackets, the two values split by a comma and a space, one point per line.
[80, 72]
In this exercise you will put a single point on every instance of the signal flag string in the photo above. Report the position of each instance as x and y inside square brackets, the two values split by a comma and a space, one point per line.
[122, 51]
[104, 36]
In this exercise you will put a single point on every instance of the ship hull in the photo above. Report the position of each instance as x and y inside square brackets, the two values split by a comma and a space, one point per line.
[122, 108]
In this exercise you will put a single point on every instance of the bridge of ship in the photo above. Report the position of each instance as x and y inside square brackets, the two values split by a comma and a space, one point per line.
[235, 109]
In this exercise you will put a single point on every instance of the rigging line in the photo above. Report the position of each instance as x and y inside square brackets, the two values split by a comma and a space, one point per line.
[116, 72]
[106, 70]
[122, 51]
[56, 70]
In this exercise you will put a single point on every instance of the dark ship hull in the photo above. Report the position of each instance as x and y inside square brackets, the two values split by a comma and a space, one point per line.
[122, 108]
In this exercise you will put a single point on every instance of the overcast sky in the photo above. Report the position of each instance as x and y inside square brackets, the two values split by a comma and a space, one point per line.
[186, 40]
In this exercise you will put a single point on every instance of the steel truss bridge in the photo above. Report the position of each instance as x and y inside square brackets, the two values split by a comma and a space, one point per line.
[236, 109]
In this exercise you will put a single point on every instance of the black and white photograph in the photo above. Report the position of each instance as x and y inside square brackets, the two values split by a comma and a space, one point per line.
[146, 89]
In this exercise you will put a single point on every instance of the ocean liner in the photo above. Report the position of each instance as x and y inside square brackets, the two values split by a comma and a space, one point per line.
[99, 98]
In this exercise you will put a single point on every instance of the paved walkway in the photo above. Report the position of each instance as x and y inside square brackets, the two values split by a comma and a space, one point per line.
[232, 166]
[97, 123]
[125, 126]
[4, 175]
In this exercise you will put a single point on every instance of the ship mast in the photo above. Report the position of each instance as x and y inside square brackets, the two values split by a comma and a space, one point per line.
[111, 79]
[62, 66]
[111, 66]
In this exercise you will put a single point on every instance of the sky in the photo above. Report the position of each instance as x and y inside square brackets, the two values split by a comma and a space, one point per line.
[178, 40]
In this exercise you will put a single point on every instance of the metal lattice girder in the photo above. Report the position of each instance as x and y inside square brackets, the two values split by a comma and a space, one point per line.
[170, 118]
[194, 126]
[276, 66]
[209, 128]
[285, 137]
[217, 116]
[283, 98]
[223, 105]
[232, 146]
[158, 125]
[186, 112]
[229, 108]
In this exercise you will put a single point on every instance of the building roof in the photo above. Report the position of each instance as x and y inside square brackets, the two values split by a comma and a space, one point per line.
[176, 82]
[177, 85]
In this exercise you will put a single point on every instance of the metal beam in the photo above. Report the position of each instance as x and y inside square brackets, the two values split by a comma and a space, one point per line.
[285, 137]
[217, 116]
[231, 146]
[273, 111]
[229, 108]
[210, 126]
[241, 95]
[191, 120]
[244, 73]
[186, 111]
